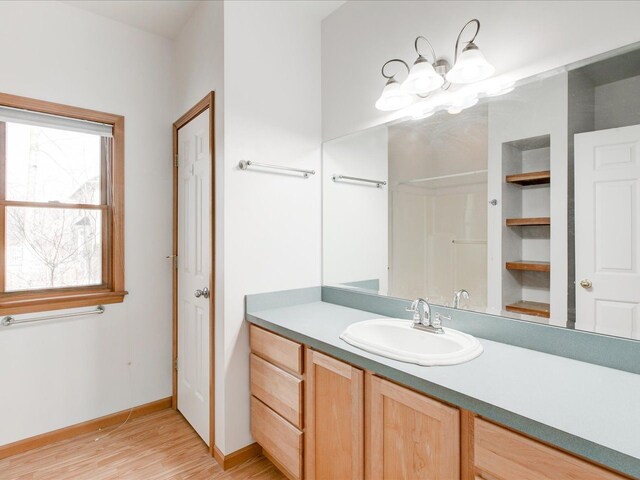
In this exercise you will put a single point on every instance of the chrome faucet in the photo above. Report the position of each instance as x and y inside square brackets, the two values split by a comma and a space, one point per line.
[422, 317]
[459, 294]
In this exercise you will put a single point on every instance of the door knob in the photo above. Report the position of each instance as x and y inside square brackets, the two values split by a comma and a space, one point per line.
[202, 293]
[586, 283]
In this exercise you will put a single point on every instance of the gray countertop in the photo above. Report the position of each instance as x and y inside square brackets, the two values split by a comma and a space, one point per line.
[590, 410]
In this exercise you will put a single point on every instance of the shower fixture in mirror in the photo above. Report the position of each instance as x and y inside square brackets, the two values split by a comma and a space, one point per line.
[526, 205]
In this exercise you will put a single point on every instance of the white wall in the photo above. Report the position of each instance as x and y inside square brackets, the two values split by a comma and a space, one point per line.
[617, 104]
[63, 372]
[199, 68]
[355, 215]
[534, 110]
[525, 37]
[199, 58]
[271, 221]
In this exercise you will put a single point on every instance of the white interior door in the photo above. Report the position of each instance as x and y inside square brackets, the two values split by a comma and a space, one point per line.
[194, 265]
[607, 209]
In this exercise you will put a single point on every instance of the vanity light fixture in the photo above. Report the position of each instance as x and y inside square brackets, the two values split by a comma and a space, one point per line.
[423, 114]
[460, 104]
[500, 89]
[425, 77]
[393, 97]
[470, 66]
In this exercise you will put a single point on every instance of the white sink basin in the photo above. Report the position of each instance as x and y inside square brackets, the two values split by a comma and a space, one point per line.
[396, 339]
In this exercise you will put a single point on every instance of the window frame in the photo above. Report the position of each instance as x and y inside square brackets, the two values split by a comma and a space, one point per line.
[112, 205]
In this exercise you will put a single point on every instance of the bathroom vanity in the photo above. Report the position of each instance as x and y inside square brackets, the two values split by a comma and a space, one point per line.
[321, 408]
[517, 217]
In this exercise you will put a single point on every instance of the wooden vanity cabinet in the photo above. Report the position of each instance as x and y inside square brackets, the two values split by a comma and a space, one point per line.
[409, 435]
[276, 383]
[355, 425]
[277, 350]
[334, 414]
[501, 454]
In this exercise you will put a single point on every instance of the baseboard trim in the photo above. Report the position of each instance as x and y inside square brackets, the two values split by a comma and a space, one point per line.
[279, 466]
[232, 459]
[78, 429]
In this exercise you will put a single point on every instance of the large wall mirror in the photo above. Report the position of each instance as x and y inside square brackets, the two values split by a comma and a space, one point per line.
[526, 205]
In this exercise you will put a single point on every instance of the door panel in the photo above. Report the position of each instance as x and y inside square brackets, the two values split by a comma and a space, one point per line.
[615, 249]
[194, 264]
[334, 418]
[607, 209]
[411, 436]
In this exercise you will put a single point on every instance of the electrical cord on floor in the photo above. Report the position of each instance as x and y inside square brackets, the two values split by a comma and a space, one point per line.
[115, 429]
[129, 351]
[128, 416]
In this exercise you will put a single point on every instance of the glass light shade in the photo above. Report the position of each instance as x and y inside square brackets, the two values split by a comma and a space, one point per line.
[470, 67]
[459, 105]
[500, 89]
[393, 98]
[422, 79]
[423, 114]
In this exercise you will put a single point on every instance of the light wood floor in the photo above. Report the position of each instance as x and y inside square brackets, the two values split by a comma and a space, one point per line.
[157, 446]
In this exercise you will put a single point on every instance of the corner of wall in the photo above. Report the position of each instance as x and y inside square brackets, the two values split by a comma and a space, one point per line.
[199, 69]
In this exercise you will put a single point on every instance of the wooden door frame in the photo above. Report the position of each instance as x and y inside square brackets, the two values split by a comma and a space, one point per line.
[208, 102]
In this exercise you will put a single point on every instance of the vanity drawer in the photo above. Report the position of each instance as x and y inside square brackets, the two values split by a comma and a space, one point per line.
[503, 454]
[276, 349]
[278, 389]
[280, 440]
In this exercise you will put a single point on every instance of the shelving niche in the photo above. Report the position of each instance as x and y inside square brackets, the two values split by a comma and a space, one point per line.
[527, 220]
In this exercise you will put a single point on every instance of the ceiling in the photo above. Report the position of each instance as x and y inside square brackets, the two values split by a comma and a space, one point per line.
[164, 18]
[167, 17]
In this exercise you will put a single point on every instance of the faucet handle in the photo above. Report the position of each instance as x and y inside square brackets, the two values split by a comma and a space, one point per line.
[437, 321]
[413, 307]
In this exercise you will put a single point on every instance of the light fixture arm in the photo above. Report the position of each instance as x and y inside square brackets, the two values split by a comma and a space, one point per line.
[433, 52]
[430, 73]
[477, 23]
[391, 77]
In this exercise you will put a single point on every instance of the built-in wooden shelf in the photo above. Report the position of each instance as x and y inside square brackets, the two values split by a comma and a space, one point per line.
[530, 178]
[529, 266]
[532, 221]
[537, 309]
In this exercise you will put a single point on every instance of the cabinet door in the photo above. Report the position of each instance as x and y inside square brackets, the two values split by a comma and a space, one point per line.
[501, 453]
[410, 436]
[334, 418]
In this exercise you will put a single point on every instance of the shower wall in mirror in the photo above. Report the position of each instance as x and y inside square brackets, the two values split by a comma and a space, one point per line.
[525, 205]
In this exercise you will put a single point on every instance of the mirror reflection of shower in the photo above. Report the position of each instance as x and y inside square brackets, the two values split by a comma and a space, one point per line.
[438, 208]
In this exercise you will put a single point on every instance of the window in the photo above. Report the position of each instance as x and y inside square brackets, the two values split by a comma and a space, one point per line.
[61, 206]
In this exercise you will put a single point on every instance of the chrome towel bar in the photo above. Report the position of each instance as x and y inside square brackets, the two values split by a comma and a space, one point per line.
[9, 320]
[378, 183]
[469, 242]
[244, 164]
